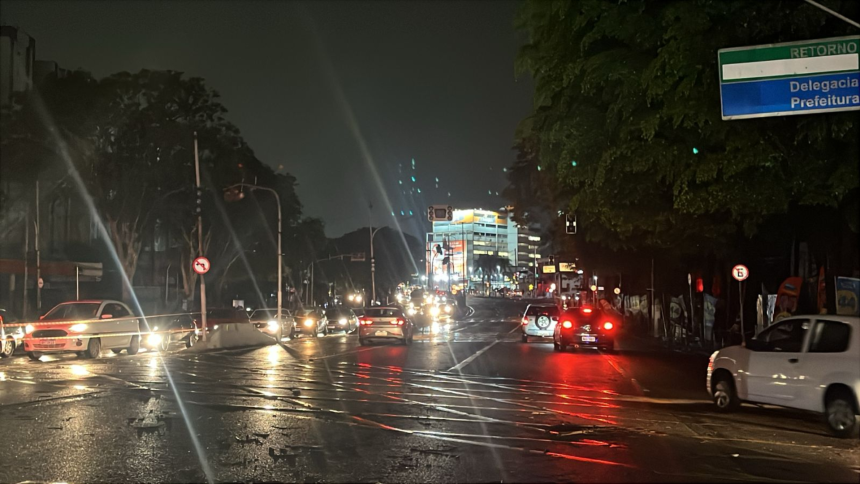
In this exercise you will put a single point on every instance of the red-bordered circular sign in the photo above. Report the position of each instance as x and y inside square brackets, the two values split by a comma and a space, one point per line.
[201, 265]
[740, 272]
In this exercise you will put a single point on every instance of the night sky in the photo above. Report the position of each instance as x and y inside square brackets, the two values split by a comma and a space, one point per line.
[328, 90]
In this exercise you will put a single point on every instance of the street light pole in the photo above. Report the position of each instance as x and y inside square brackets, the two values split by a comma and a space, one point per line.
[373, 265]
[280, 251]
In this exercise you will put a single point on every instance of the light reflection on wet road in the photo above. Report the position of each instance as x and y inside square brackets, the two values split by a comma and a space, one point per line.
[328, 409]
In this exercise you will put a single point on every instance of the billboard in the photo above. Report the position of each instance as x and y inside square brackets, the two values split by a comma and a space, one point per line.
[437, 271]
[479, 216]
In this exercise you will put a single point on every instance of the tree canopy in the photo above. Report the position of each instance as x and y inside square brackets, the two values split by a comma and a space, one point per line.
[626, 129]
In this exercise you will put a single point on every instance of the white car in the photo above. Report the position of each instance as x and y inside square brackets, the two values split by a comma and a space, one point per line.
[803, 362]
[85, 328]
[539, 320]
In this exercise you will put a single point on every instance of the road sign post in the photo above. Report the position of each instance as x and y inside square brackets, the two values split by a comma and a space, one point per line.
[813, 76]
[740, 273]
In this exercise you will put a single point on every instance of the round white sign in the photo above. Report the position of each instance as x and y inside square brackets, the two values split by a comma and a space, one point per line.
[201, 265]
[740, 272]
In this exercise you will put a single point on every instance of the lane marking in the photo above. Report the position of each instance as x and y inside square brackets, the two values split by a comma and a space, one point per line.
[470, 359]
[624, 374]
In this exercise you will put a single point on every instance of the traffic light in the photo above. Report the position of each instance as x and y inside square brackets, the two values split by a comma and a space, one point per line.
[570, 223]
[198, 203]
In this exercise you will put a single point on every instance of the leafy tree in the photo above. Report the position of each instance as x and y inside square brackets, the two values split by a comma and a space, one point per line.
[624, 92]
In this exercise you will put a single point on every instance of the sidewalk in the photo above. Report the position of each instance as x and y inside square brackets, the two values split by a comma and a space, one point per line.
[632, 341]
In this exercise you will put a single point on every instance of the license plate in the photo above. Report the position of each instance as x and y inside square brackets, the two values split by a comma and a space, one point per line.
[589, 339]
[382, 333]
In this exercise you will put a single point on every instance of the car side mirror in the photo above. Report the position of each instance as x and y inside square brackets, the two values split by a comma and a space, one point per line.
[107, 316]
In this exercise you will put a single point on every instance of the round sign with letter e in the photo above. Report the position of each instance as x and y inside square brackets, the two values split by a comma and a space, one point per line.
[740, 272]
[201, 265]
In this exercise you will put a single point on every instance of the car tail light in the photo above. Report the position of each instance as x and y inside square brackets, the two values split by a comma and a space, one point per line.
[586, 310]
[607, 325]
[399, 322]
[567, 325]
[525, 321]
[365, 321]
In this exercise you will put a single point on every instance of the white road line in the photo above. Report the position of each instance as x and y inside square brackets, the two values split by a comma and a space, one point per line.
[470, 359]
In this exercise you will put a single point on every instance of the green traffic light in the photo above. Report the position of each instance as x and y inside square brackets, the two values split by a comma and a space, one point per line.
[695, 151]
[572, 163]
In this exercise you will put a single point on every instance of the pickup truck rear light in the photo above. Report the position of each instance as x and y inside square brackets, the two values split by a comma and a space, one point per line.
[608, 325]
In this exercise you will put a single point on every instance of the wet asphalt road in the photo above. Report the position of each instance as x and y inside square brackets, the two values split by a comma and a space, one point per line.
[475, 405]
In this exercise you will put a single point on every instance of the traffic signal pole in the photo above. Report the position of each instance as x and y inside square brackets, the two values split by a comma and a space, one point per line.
[200, 238]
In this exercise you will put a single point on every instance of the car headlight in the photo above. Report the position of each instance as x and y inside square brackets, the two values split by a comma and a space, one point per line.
[154, 339]
[309, 322]
[342, 321]
[357, 298]
[29, 328]
[78, 328]
[272, 325]
[215, 327]
[434, 310]
[412, 311]
[447, 308]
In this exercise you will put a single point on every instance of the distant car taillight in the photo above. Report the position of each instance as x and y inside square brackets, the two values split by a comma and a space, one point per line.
[399, 322]
[567, 325]
[365, 321]
[607, 325]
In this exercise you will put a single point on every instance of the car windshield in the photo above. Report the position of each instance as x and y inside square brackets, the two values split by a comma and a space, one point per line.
[383, 313]
[336, 313]
[260, 314]
[74, 311]
[536, 310]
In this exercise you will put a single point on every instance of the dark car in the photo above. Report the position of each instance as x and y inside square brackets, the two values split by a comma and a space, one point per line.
[341, 319]
[266, 320]
[310, 321]
[585, 326]
[182, 328]
[214, 317]
[10, 336]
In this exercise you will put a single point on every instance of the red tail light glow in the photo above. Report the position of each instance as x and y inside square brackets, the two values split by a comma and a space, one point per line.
[567, 325]
[525, 321]
[365, 321]
[607, 325]
[399, 322]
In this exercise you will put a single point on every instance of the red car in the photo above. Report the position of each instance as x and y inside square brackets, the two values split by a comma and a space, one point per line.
[585, 326]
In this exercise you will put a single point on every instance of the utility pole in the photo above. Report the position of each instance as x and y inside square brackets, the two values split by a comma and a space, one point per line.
[25, 306]
[38, 256]
[200, 239]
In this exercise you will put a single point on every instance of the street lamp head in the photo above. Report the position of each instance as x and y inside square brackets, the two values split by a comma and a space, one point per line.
[233, 194]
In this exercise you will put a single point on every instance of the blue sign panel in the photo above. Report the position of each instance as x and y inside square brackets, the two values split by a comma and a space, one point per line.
[831, 92]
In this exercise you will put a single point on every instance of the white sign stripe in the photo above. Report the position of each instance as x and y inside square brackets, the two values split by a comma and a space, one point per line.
[788, 67]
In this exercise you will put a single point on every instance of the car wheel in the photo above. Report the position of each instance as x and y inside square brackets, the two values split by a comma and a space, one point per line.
[115, 351]
[165, 343]
[34, 355]
[190, 340]
[7, 348]
[134, 346]
[314, 334]
[94, 348]
[525, 338]
[725, 395]
[362, 341]
[556, 346]
[839, 411]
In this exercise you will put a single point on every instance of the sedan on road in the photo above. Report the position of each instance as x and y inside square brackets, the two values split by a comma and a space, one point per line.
[804, 362]
[266, 320]
[311, 322]
[585, 326]
[10, 336]
[539, 320]
[385, 323]
[341, 319]
[85, 328]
